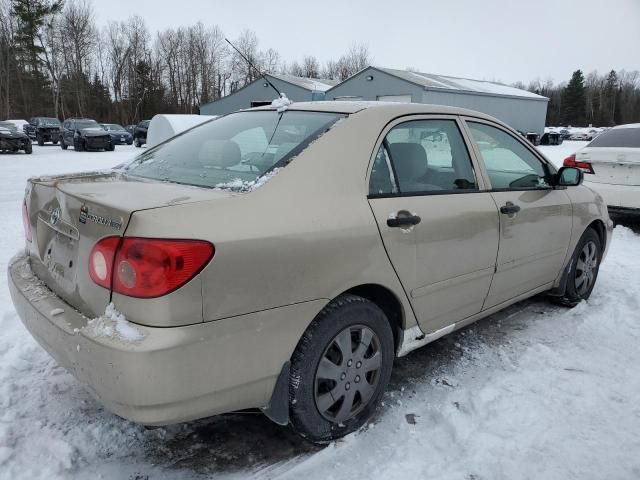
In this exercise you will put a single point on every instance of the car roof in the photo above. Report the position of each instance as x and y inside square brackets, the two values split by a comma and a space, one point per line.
[629, 125]
[391, 108]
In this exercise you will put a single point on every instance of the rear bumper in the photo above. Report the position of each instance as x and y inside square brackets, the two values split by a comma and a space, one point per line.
[172, 374]
[617, 196]
[14, 143]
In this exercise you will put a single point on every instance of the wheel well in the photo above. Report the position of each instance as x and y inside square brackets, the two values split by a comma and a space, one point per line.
[387, 301]
[599, 228]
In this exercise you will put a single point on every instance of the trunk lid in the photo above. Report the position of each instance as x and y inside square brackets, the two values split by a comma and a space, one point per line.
[616, 166]
[70, 214]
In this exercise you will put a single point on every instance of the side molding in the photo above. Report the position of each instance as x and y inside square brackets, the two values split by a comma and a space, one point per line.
[413, 338]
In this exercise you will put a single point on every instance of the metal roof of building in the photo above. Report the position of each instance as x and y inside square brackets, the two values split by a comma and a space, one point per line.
[311, 84]
[431, 81]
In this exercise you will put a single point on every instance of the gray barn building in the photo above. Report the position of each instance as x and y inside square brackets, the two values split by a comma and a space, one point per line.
[259, 93]
[524, 111]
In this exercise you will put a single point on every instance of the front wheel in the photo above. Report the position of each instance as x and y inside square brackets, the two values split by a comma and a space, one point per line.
[583, 272]
[40, 140]
[340, 369]
[28, 148]
[137, 143]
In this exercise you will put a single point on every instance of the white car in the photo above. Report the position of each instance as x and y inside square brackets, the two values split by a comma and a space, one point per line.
[611, 163]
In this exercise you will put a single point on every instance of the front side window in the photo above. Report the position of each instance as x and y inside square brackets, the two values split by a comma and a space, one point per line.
[510, 165]
[429, 156]
[234, 150]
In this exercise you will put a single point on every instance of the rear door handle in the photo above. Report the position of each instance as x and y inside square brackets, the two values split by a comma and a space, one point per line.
[403, 219]
[509, 208]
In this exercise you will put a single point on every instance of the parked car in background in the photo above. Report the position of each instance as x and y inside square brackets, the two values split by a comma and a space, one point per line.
[19, 124]
[44, 129]
[85, 134]
[130, 129]
[119, 136]
[12, 140]
[140, 133]
[551, 136]
[611, 163]
[211, 293]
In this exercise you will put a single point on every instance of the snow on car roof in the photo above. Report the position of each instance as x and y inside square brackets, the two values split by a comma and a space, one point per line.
[313, 84]
[443, 82]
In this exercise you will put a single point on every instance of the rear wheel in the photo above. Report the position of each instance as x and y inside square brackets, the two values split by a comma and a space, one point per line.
[585, 265]
[28, 148]
[340, 369]
[137, 143]
[63, 145]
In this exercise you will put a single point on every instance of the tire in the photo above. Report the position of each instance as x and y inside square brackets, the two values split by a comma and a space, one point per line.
[583, 270]
[110, 148]
[40, 141]
[79, 146]
[55, 142]
[28, 149]
[63, 145]
[137, 143]
[324, 362]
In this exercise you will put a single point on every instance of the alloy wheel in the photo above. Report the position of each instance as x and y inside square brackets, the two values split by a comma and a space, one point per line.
[348, 374]
[586, 268]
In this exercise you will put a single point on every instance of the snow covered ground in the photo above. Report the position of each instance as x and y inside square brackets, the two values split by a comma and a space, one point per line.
[534, 392]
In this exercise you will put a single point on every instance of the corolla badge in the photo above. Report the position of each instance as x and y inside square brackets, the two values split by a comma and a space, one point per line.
[55, 216]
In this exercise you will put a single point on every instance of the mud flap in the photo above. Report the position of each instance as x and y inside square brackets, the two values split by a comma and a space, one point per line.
[278, 407]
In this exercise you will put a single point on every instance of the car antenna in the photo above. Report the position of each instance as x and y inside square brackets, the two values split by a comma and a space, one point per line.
[254, 67]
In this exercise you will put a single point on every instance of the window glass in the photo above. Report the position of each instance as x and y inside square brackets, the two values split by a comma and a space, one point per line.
[233, 150]
[381, 181]
[618, 137]
[509, 163]
[430, 156]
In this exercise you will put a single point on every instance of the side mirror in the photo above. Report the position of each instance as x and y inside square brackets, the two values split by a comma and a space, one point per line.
[569, 177]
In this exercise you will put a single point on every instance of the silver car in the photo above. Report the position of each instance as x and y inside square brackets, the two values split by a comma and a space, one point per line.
[282, 259]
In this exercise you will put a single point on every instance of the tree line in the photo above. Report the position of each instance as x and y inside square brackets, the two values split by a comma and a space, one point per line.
[598, 100]
[55, 61]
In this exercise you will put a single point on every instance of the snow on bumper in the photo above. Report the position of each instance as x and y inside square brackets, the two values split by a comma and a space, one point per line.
[166, 375]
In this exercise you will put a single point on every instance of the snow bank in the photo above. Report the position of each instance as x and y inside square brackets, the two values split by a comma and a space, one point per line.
[163, 127]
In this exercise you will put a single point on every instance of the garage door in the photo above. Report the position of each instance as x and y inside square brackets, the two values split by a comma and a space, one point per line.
[395, 98]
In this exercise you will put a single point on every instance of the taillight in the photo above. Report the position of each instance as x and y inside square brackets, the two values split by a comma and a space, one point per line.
[101, 261]
[26, 222]
[147, 267]
[570, 161]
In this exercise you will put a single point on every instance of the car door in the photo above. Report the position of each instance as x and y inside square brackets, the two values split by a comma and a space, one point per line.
[439, 228]
[535, 218]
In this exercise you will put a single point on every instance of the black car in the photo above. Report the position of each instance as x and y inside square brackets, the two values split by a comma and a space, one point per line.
[12, 141]
[119, 136]
[140, 133]
[85, 134]
[43, 129]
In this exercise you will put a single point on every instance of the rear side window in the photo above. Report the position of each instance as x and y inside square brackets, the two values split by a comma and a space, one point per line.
[427, 156]
[233, 151]
[618, 137]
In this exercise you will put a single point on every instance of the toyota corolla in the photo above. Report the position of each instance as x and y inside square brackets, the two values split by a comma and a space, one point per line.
[281, 259]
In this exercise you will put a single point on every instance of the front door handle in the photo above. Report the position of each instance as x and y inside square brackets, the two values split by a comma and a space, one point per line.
[403, 219]
[509, 208]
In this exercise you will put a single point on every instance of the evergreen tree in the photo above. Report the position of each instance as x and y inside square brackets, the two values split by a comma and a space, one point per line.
[574, 100]
[610, 99]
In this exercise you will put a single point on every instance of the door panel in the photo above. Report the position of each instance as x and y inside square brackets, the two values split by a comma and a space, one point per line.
[533, 242]
[446, 262]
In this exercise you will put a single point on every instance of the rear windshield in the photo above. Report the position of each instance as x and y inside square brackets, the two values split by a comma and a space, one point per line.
[618, 137]
[233, 151]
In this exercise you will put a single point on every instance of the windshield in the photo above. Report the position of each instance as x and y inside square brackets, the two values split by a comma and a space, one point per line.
[112, 127]
[50, 122]
[87, 124]
[233, 151]
[144, 124]
[618, 137]
[8, 126]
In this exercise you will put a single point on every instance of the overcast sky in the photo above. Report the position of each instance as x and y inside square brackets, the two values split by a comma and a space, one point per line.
[505, 40]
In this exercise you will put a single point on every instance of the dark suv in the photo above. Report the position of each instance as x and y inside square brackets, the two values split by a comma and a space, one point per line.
[85, 134]
[140, 133]
[43, 129]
